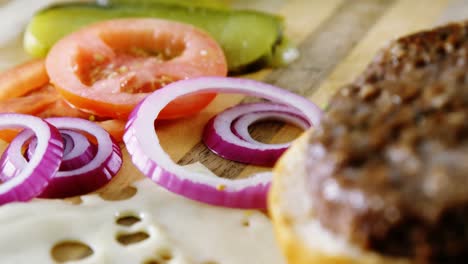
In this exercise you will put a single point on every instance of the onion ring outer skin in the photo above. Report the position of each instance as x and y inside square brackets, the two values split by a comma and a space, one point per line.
[94, 174]
[31, 179]
[148, 156]
[227, 134]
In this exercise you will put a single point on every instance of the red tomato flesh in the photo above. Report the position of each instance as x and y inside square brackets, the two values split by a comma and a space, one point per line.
[109, 67]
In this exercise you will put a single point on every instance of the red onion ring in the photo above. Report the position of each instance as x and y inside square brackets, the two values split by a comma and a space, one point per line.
[93, 171]
[68, 145]
[227, 133]
[77, 150]
[23, 180]
[150, 158]
[240, 127]
[92, 175]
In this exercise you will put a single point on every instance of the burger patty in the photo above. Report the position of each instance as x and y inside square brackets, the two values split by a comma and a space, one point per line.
[388, 167]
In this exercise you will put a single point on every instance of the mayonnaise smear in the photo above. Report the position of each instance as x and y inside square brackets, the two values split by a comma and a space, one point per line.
[190, 232]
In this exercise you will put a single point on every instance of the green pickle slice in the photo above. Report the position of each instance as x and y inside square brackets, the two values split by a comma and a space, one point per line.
[224, 4]
[246, 37]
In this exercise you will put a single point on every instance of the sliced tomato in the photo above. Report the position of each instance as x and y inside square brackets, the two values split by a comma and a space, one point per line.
[25, 89]
[22, 79]
[109, 67]
[46, 102]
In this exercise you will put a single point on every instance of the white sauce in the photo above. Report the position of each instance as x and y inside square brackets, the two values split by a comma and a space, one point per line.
[193, 232]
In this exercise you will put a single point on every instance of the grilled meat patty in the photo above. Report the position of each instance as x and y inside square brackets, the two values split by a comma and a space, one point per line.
[388, 167]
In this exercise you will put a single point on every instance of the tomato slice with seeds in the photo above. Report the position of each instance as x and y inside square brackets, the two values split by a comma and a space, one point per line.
[109, 67]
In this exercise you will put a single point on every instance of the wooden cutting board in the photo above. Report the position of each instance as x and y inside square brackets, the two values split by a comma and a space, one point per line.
[336, 40]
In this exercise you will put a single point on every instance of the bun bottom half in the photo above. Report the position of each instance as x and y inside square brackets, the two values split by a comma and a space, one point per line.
[299, 233]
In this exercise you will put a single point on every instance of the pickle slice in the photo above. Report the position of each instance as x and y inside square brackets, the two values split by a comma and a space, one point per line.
[245, 36]
[223, 4]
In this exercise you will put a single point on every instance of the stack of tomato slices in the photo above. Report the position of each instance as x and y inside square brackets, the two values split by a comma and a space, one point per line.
[102, 71]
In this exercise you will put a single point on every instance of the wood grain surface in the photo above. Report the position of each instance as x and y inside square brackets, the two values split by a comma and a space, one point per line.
[336, 40]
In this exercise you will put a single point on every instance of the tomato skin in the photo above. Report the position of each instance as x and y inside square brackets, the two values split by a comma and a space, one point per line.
[109, 67]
